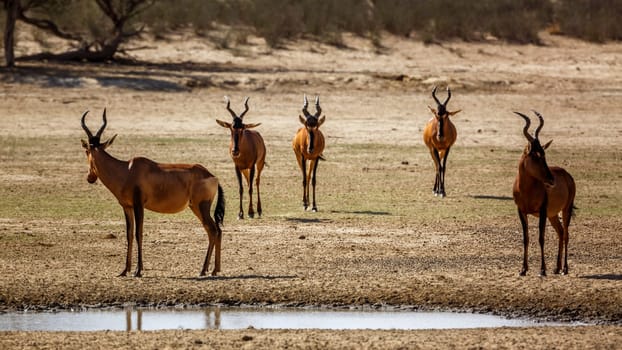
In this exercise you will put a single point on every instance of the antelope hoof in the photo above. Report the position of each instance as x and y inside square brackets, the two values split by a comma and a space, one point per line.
[557, 271]
[214, 273]
[543, 273]
[202, 274]
[251, 215]
[138, 274]
[523, 273]
[565, 271]
[240, 216]
[123, 274]
[314, 209]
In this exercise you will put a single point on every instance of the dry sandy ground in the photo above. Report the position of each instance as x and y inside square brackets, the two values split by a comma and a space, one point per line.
[380, 238]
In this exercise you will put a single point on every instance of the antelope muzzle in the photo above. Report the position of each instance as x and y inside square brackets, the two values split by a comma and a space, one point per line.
[91, 177]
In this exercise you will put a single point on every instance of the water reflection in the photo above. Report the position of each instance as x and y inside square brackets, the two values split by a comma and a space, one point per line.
[183, 318]
[240, 318]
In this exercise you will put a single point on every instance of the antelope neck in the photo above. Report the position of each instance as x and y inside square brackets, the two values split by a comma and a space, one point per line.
[110, 170]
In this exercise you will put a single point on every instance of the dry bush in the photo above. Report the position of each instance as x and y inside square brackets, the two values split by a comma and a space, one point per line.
[278, 20]
[512, 20]
[593, 20]
[167, 15]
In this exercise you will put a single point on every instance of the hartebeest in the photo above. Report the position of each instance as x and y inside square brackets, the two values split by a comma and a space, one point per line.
[140, 184]
[543, 192]
[439, 135]
[248, 152]
[308, 145]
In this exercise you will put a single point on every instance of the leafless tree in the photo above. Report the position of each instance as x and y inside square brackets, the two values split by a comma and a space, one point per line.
[121, 28]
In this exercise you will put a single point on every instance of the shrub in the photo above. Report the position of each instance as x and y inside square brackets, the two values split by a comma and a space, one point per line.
[593, 20]
[276, 20]
[513, 20]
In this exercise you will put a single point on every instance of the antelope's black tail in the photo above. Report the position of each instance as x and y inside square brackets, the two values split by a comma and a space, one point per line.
[219, 212]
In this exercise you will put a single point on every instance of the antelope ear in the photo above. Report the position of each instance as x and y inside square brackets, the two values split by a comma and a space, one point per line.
[547, 144]
[453, 113]
[250, 126]
[321, 121]
[223, 124]
[302, 120]
[84, 144]
[109, 142]
[434, 112]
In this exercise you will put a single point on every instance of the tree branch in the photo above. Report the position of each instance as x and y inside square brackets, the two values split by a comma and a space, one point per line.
[108, 9]
[44, 24]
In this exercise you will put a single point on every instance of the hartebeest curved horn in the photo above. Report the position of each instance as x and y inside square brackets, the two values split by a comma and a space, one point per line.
[101, 130]
[526, 128]
[88, 132]
[246, 108]
[444, 104]
[435, 98]
[304, 106]
[541, 123]
[229, 107]
[317, 106]
[448, 97]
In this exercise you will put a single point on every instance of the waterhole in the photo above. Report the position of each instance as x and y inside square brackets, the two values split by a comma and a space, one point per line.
[241, 318]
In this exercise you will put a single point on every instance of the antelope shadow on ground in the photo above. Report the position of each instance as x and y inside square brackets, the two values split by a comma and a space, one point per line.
[308, 220]
[238, 277]
[362, 212]
[486, 196]
[606, 276]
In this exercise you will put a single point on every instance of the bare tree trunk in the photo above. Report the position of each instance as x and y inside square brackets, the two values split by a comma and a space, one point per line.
[9, 31]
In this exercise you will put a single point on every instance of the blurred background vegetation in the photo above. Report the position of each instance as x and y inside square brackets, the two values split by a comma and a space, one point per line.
[517, 21]
[93, 24]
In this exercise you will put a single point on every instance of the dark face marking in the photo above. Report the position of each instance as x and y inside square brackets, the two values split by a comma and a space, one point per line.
[94, 141]
[237, 123]
[312, 122]
[441, 128]
[442, 110]
[311, 140]
[236, 134]
[237, 128]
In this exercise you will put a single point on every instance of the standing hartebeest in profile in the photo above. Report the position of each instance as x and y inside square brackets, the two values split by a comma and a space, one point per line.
[543, 192]
[439, 135]
[140, 184]
[248, 152]
[308, 145]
